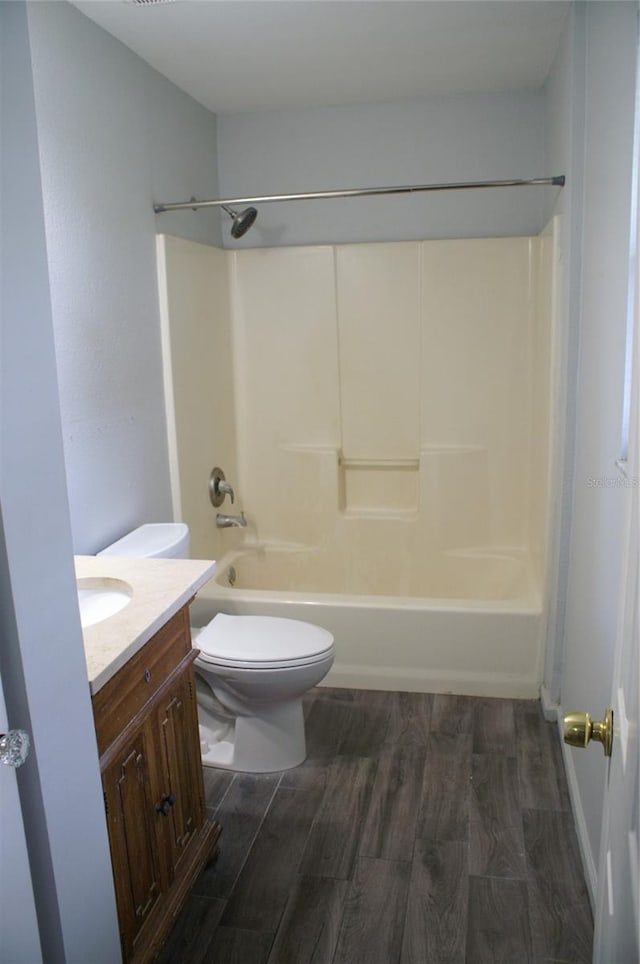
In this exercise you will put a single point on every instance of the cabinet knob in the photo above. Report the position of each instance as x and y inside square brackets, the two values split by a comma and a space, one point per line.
[166, 802]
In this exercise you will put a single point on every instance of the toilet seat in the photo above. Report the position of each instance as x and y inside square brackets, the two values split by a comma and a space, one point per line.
[262, 642]
[214, 662]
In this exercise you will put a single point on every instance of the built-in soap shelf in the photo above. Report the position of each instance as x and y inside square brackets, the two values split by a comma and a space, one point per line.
[376, 487]
[389, 464]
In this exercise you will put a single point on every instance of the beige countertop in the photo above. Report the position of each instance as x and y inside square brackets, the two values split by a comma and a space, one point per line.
[160, 587]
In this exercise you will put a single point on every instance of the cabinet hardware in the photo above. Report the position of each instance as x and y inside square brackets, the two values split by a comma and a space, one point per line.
[166, 802]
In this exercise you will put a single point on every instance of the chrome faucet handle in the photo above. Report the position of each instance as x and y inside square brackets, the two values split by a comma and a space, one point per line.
[226, 489]
[218, 488]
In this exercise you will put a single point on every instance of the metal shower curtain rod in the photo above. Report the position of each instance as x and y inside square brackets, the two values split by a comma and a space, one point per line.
[360, 192]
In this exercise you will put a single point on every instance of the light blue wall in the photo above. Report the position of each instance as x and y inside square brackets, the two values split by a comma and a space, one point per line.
[439, 139]
[564, 145]
[115, 136]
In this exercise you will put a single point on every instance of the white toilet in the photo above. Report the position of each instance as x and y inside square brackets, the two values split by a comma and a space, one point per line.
[251, 672]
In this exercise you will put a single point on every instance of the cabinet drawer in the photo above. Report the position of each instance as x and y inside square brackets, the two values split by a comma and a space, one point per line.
[127, 693]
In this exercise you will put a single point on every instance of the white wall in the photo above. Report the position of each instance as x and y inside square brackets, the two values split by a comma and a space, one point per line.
[445, 138]
[42, 656]
[114, 136]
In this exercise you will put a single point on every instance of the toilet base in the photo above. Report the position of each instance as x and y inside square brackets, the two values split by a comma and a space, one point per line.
[271, 738]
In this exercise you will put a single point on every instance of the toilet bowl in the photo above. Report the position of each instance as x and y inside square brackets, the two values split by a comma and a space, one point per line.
[255, 671]
[251, 672]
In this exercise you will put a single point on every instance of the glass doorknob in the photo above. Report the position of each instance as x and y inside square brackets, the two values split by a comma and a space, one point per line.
[14, 747]
[579, 729]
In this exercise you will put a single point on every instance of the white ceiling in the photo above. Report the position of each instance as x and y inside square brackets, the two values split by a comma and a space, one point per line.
[239, 55]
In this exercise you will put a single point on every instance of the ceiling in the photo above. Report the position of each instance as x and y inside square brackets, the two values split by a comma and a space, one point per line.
[246, 55]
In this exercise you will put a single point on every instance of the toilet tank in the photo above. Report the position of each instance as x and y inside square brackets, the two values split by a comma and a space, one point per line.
[155, 540]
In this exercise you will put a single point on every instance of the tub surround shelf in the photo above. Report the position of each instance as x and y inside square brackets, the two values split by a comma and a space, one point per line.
[160, 588]
[349, 463]
[383, 514]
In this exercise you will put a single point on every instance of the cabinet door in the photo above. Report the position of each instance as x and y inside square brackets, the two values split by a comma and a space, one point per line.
[134, 851]
[180, 779]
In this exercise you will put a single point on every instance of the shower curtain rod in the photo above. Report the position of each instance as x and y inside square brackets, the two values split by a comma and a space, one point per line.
[360, 192]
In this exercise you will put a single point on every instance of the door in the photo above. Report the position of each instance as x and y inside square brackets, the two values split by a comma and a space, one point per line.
[19, 937]
[617, 937]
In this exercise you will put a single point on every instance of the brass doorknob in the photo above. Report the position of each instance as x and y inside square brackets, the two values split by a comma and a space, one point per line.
[580, 729]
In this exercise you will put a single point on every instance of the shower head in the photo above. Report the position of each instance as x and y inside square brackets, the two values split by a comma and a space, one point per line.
[242, 220]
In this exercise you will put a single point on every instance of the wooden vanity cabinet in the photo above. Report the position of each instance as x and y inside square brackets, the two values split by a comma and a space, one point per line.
[160, 838]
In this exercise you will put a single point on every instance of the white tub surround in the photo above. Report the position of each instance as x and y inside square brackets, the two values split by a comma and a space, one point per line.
[160, 587]
[384, 414]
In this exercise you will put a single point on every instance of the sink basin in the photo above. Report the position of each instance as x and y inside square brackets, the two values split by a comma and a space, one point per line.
[100, 598]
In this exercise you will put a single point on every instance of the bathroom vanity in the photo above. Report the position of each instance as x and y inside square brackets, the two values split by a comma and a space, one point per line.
[140, 663]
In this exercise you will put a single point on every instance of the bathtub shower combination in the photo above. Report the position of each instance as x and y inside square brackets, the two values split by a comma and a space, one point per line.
[383, 413]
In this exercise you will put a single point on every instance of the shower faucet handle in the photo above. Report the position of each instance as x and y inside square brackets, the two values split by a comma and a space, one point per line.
[226, 489]
[219, 487]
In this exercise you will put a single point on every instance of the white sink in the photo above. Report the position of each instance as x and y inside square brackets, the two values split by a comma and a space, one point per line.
[101, 597]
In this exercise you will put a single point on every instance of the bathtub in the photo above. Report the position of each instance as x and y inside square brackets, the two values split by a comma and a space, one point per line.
[476, 629]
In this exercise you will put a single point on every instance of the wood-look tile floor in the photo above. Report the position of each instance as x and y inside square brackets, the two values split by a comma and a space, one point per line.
[421, 829]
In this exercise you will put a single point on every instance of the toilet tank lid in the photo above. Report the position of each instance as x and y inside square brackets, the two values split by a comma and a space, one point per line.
[152, 540]
[262, 638]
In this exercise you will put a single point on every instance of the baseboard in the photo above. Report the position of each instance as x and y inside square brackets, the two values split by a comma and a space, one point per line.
[550, 709]
[589, 865]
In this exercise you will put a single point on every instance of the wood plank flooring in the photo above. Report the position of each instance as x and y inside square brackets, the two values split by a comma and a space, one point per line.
[421, 829]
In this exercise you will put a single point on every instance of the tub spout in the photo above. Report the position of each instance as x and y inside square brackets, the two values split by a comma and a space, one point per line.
[227, 521]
